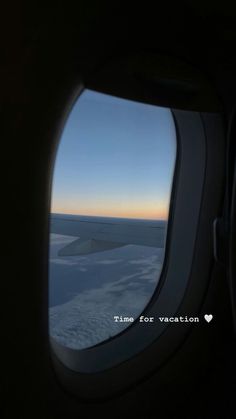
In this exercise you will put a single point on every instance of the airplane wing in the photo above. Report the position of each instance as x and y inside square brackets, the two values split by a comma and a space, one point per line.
[96, 234]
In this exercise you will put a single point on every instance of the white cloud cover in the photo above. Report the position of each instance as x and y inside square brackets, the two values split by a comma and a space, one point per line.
[109, 261]
[88, 318]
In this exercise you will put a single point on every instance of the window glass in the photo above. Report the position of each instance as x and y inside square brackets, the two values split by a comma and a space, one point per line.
[109, 211]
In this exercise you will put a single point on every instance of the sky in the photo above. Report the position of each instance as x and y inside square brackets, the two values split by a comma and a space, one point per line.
[115, 158]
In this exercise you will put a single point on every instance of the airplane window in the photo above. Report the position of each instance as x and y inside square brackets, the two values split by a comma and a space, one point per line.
[109, 212]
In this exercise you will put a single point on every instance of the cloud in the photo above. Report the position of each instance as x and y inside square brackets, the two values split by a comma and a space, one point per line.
[58, 239]
[109, 261]
[60, 261]
[89, 317]
[120, 285]
[144, 261]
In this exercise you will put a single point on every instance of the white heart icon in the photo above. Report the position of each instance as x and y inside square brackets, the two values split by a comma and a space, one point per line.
[208, 318]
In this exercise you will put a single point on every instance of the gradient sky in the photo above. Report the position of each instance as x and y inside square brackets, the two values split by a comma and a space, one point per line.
[116, 158]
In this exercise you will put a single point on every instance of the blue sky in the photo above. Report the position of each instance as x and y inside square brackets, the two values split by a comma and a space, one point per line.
[115, 158]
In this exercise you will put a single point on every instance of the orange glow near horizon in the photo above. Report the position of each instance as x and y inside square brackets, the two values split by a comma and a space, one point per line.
[146, 212]
[116, 159]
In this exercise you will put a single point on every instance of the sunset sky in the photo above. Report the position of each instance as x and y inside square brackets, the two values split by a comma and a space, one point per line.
[116, 158]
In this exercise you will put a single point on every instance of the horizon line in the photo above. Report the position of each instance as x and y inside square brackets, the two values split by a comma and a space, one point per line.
[110, 216]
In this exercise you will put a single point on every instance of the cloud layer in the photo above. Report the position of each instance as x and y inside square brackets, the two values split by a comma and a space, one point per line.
[87, 292]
